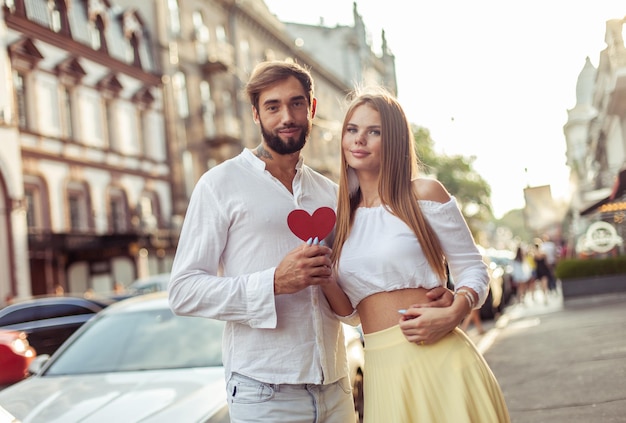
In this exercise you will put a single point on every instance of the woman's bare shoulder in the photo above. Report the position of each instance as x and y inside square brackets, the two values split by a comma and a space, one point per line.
[431, 190]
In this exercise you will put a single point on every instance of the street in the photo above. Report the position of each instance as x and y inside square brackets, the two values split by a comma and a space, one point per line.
[561, 361]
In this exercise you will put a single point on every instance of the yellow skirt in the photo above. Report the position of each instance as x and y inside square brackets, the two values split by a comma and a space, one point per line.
[447, 382]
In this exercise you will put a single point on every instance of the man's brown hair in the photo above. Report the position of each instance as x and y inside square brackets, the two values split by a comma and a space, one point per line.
[266, 74]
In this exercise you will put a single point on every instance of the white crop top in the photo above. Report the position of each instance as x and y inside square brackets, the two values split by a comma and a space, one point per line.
[383, 254]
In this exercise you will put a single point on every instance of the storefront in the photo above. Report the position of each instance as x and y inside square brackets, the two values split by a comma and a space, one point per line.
[607, 229]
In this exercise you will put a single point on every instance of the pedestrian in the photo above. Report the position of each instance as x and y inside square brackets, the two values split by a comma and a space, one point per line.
[521, 274]
[543, 273]
[394, 235]
[549, 249]
[237, 261]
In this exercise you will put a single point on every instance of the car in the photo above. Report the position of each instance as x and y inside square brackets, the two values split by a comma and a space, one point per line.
[15, 356]
[49, 321]
[353, 337]
[135, 361]
[500, 291]
[154, 283]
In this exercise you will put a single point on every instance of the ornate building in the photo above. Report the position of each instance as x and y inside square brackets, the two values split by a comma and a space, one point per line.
[106, 128]
[207, 50]
[84, 171]
[350, 56]
[596, 148]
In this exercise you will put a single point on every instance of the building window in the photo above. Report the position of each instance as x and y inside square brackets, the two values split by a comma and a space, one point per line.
[19, 81]
[36, 196]
[58, 20]
[133, 50]
[142, 131]
[78, 207]
[220, 34]
[118, 211]
[109, 113]
[66, 113]
[245, 57]
[96, 30]
[201, 35]
[179, 85]
[230, 120]
[143, 98]
[149, 211]
[55, 16]
[133, 30]
[208, 109]
[174, 18]
[32, 195]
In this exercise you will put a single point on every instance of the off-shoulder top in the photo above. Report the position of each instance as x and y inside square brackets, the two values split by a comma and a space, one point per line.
[383, 254]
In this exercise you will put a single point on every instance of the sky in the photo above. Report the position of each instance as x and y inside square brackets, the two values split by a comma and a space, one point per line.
[491, 79]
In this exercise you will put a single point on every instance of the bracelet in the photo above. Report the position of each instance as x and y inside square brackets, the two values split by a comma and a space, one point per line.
[468, 295]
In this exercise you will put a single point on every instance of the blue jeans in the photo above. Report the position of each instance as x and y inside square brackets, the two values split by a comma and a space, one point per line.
[252, 401]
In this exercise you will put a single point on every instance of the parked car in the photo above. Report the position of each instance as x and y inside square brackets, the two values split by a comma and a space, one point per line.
[15, 356]
[49, 321]
[133, 362]
[356, 364]
[154, 283]
[353, 337]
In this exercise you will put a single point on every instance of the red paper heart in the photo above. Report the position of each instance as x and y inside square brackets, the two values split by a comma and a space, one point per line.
[305, 226]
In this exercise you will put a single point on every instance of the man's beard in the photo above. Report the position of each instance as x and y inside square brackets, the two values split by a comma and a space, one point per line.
[292, 145]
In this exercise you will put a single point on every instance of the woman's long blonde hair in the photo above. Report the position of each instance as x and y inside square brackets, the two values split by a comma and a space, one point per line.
[399, 166]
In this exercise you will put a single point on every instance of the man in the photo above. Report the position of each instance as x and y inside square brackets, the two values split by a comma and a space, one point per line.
[548, 247]
[238, 261]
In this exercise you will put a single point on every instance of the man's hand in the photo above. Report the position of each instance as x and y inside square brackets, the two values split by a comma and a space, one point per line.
[304, 266]
[439, 297]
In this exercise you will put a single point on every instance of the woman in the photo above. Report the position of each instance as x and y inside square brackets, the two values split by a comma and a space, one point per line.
[543, 273]
[521, 274]
[394, 236]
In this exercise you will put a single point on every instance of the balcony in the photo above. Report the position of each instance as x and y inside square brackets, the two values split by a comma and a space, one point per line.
[220, 57]
[225, 130]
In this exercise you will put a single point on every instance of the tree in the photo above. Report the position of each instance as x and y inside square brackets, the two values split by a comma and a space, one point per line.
[459, 177]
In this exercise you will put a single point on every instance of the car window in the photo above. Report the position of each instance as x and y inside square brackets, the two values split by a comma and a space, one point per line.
[51, 311]
[19, 315]
[155, 339]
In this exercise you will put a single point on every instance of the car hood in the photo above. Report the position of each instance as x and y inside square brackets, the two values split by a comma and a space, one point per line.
[189, 395]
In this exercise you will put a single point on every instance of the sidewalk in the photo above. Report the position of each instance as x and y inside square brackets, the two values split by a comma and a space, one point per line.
[560, 362]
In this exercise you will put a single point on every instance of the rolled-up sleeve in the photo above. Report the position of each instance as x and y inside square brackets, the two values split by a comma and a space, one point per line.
[196, 287]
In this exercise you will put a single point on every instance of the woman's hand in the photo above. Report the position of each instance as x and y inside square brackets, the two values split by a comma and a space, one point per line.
[439, 297]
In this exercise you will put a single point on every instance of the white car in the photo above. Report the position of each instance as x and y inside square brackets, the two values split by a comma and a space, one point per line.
[154, 283]
[356, 361]
[134, 362]
[353, 337]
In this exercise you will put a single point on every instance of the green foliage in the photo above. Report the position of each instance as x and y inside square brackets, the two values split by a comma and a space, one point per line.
[579, 268]
[459, 177]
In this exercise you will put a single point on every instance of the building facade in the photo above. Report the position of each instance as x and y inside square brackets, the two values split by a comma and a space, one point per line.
[84, 169]
[595, 134]
[207, 51]
[117, 109]
[352, 56]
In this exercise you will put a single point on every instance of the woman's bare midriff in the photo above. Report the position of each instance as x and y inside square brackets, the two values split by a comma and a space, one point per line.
[380, 311]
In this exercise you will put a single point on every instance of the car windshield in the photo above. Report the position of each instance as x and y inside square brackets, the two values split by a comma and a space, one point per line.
[142, 340]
